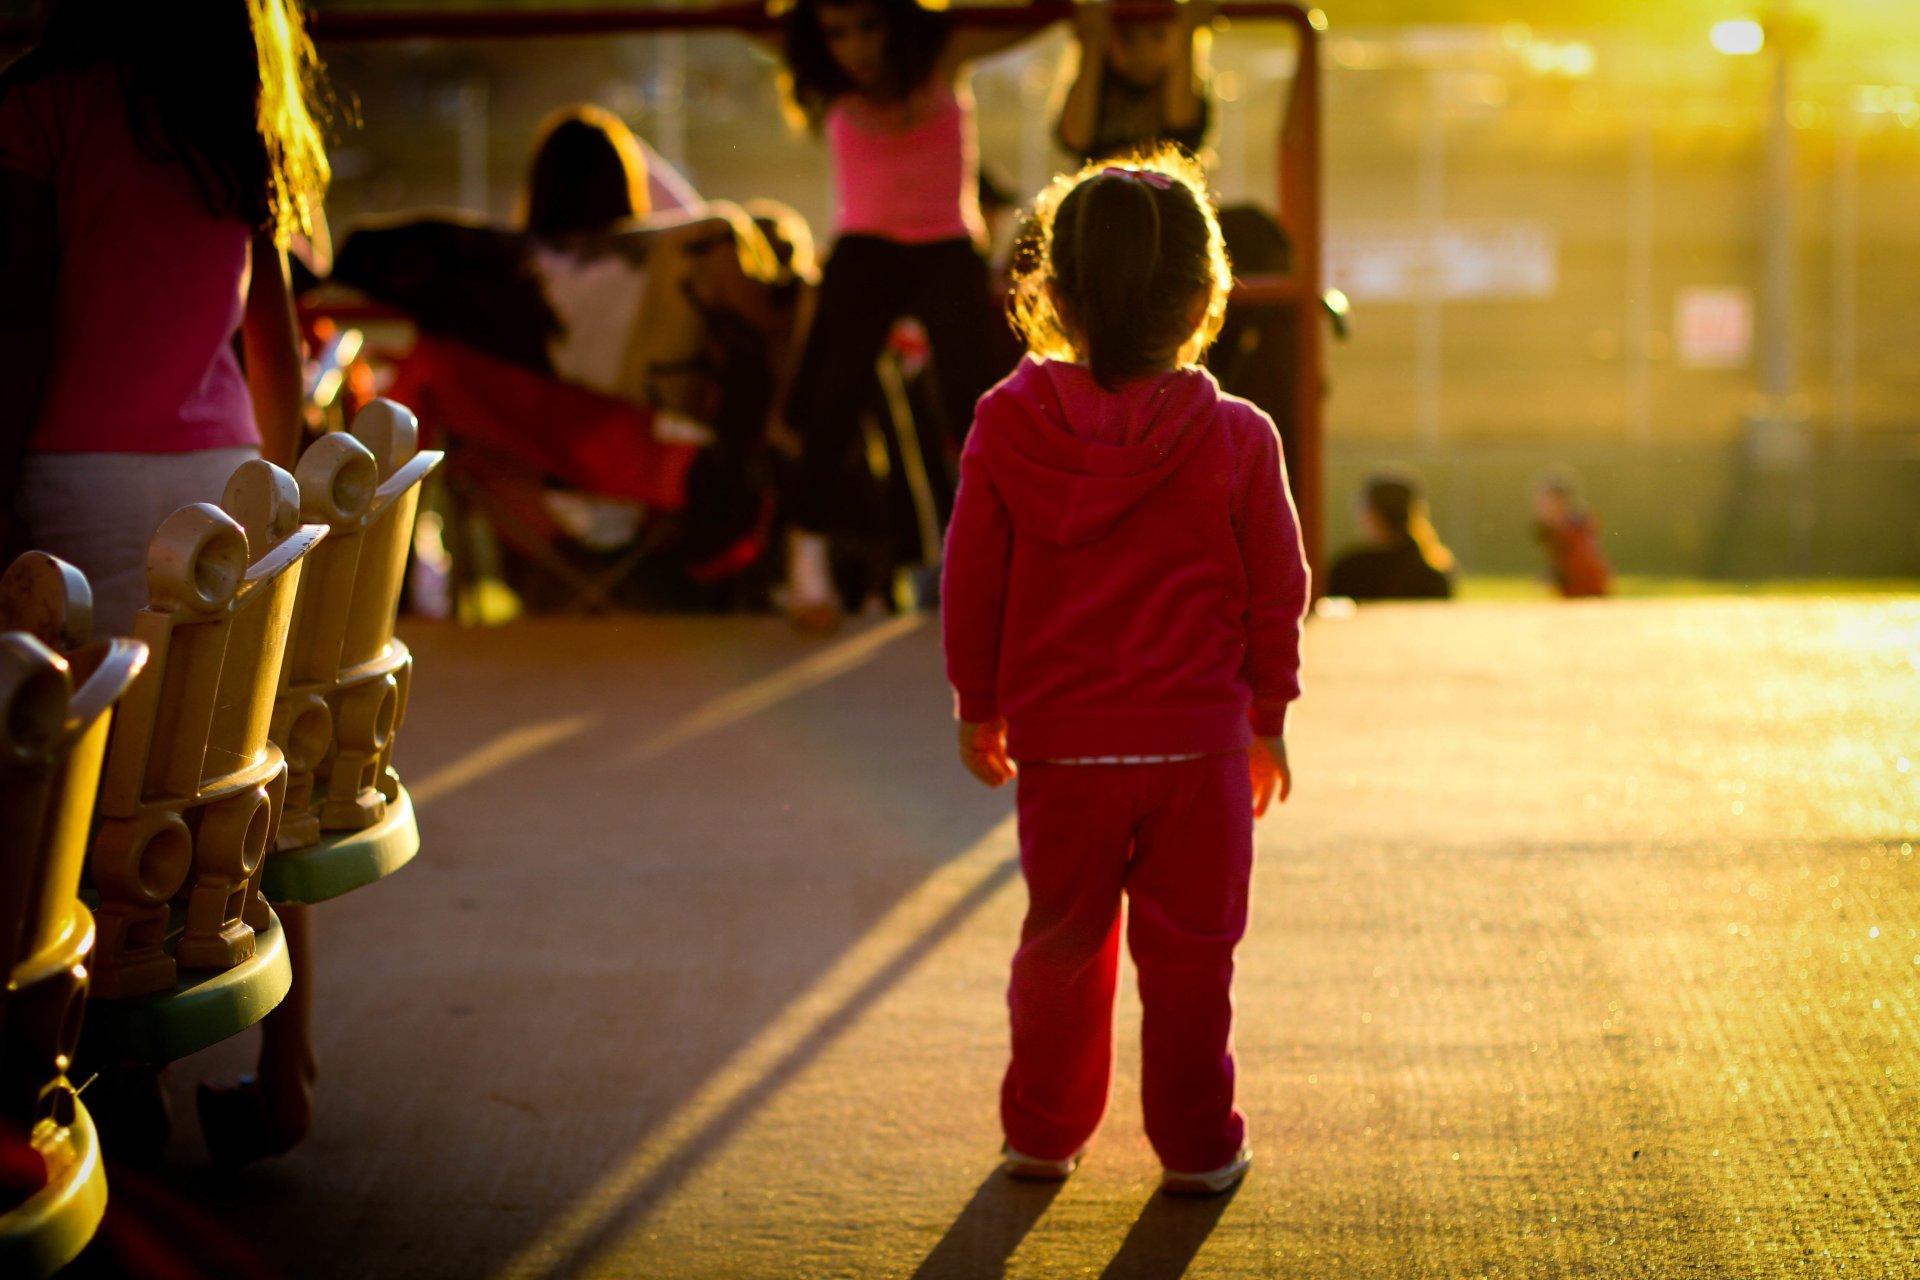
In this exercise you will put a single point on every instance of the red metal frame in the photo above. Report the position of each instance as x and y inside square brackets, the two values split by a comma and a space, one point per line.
[1298, 152]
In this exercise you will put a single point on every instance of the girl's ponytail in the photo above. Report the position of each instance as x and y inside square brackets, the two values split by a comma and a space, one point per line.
[1112, 264]
[1117, 222]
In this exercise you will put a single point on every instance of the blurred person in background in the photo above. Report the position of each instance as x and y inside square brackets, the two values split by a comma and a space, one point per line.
[677, 312]
[1135, 82]
[886, 83]
[1570, 533]
[156, 161]
[666, 328]
[1400, 556]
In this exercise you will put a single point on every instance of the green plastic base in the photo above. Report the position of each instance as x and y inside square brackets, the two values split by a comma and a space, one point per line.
[346, 861]
[203, 1008]
[50, 1229]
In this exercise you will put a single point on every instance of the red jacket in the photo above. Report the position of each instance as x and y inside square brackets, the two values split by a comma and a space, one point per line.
[1124, 573]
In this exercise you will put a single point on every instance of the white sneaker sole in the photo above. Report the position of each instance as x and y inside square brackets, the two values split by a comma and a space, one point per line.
[1027, 1168]
[1210, 1183]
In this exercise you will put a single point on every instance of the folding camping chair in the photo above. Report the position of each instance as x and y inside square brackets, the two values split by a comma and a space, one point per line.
[512, 436]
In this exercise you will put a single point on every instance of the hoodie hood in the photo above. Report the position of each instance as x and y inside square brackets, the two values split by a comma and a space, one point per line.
[1070, 458]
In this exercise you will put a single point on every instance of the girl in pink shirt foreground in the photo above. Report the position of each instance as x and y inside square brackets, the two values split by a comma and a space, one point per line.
[1123, 591]
[155, 162]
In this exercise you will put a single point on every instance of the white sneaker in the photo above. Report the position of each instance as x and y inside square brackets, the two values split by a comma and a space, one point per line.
[810, 600]
[1034, 1169]
[1210, 1183]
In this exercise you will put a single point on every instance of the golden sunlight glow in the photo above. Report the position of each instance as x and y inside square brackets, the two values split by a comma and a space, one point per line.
[1886, 100]
[1739, 36]
[1577, 59]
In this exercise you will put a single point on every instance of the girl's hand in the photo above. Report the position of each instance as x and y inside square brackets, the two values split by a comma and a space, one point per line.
[1267, 766]
[983, 749]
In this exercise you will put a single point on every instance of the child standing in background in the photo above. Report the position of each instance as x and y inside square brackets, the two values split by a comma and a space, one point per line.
[1137, 82]
[1122, 603]
[885, 81]
[1400, 556]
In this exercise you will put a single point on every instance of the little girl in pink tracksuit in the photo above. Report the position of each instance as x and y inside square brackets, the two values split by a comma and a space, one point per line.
[1123, 591]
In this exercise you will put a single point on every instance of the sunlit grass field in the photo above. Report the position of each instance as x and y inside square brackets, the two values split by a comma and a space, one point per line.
[1641, 586]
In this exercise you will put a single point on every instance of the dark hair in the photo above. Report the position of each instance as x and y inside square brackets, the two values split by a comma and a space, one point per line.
[1563, 481]
[1394, 497]
[1111, 261]
[916, 35]
[1391, 496]
[230, 88]
[588, 172]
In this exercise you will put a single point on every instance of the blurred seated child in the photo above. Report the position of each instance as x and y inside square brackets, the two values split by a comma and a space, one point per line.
[677, 314]
[1570, 532]
[636, 298]
[588, 287]
[1138, 82]
[1400, 557]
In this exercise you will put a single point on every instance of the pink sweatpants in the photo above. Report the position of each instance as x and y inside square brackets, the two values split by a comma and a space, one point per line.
[1176, 839]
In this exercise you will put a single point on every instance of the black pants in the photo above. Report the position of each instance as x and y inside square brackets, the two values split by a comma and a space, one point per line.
[868, 284]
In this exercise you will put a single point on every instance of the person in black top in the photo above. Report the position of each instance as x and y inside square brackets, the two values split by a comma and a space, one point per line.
[1401, 558]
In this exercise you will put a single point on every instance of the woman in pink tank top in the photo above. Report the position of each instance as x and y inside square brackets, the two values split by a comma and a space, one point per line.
[885, 82]
[151, 178]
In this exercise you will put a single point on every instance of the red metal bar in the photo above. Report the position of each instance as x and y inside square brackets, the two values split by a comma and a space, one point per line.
[348, 24]
[1300, 213]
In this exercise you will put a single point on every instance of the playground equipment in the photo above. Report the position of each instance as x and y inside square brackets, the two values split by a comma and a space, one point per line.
[343, 694]
[1292, 299]
[57, 694]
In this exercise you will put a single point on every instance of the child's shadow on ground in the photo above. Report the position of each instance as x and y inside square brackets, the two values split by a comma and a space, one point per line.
[1160, 1245]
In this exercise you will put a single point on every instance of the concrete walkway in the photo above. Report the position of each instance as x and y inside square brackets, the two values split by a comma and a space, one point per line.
[1587, 947]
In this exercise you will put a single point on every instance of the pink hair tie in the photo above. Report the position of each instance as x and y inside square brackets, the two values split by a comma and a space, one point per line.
[1147, 176]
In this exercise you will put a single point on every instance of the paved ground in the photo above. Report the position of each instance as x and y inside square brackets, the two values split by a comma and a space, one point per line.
[1588, 947]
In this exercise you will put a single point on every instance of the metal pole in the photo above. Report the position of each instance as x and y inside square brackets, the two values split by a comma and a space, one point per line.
[483, 22]
[666, 103]
[1779, 369]
[1429, 333]
[1639, 318]
[1778, 438]
[1300, 212]
[1036, 91]
[471, 103]
[1846, 272]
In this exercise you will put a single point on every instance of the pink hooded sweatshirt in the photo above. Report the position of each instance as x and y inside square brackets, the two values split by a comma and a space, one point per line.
[1124, 573]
